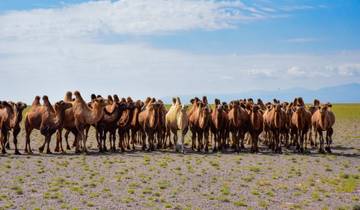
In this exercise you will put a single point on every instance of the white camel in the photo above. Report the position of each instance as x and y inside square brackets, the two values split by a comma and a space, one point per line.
[177, 120]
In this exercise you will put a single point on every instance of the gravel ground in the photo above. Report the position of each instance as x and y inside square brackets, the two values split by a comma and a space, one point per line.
[168, 180]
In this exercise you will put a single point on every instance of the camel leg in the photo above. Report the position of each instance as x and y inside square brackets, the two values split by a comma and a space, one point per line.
[113, 147]
[301, 141]
[2, 139]
[175, 140]
[47, 140]
[329, 133]
[133, 137]
[78, 141]
[143, 138]
[216, 139]
[321, 137]
[85, 150]
[41, 148]
[15, 134]
[193, 140]
[27, 142]
[315, 138]
[200, 141]
[59, 141]
[206, 138]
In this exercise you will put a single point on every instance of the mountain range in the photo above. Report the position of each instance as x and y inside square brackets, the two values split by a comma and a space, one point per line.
[348, 93]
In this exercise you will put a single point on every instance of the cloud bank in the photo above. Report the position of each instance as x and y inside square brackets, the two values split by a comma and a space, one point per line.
[50, 51]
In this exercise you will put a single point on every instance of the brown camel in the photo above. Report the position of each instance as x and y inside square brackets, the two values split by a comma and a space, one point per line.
[84, 115]
[45, 118]
[219, 124]
[324, 120]
[274, 122]
[199, 123]
[10, 118]
[239, 122]
[148, 120]
[134, 122]
[124, 124]
[256, 122]
[177, 120]
[161, 128]
[109, 123]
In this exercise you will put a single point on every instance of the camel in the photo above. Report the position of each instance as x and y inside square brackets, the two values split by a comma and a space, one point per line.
[274, 122]
[134, 122]
[219, 124]
[148, 120]
[109, 123]
[124, 124]
[256, 122]
[300, 124]
[199, 123]
[324, 120]
[238, 124]
[161, 128]
[176, 120]
[84, 115]
[45, 118]
[10, 119]
[313, 109]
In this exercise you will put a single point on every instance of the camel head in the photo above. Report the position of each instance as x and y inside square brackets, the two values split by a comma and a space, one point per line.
[178, 101]
[129, 99]
[316, 103]
[277, 107]
[93, 97]
[225, 106]
[99, 101]
[204, 100]
[255, 108]
[173, 101]
[5, 104]
[217, 101]
[250, 100]
[323, 108]
[60, 106]
[20, 106]
[110, 100]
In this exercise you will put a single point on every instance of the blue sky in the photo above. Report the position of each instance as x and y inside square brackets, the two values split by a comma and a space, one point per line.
[138, 47]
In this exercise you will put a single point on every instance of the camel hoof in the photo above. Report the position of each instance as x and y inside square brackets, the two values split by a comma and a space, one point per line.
[41, 149]
[3, 152]
[56, 150]
[321, 151]
[48, 152]
[328, 149]
[17, 152]
[7, 146]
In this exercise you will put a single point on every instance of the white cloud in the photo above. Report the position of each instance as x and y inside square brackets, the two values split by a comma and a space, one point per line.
[40, 67]
[352, 69]
[50, 51]
[301, 40]
[296, 72]
[125, 17]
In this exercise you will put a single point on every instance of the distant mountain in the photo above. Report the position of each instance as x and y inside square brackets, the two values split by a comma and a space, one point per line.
[348, 93]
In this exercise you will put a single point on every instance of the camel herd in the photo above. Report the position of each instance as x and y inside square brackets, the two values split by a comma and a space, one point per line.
[225, 127]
